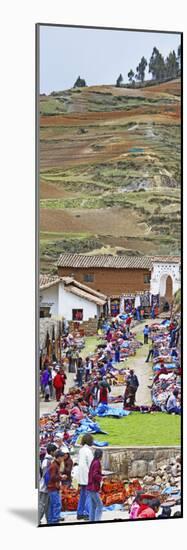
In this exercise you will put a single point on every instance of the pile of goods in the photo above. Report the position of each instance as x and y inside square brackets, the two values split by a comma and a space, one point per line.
[70, 499]
[166, 366]
[113, 492]
[164, 386]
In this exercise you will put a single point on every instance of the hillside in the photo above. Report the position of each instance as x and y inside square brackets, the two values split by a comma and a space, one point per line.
[110, 171]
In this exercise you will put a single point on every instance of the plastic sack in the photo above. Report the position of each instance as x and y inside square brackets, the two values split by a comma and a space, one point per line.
[106, 410]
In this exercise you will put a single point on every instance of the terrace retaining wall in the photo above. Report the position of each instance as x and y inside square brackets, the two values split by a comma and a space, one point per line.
[136, 462]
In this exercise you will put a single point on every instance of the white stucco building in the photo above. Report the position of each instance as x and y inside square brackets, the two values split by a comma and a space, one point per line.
[65, 297]
[165, 276]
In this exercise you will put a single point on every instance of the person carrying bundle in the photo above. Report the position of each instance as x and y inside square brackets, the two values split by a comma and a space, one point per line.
[131, 389]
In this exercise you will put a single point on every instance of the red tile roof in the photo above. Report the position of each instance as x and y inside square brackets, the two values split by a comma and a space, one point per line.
[104, 261]
[114, 262]
[71, 285]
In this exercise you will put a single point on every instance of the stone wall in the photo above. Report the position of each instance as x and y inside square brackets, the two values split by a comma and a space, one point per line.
[46, 324]
[89, 327]
[136, 462]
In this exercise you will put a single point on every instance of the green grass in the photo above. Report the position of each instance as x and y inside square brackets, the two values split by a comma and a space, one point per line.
[155, 429]
[91, 342]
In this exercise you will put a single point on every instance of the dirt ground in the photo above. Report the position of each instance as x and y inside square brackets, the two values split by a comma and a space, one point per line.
[118, 221]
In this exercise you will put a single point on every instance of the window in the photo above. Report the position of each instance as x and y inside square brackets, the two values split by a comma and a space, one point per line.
[147, 278]
[77, 314]
[88, 278]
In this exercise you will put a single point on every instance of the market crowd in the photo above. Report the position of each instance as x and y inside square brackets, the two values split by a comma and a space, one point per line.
[60, 478]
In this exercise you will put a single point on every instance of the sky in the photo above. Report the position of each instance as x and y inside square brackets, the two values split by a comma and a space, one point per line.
[96, 55]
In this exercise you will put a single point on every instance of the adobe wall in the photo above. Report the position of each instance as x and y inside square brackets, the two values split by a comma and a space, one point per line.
[110, 281]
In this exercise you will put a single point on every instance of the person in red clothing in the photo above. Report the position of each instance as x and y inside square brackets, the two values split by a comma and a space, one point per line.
[149, 510]
[128, 322]
[93, 487]
[104, 389]
[53, 487]
[58, 385]
[62, 409]
[63, 376]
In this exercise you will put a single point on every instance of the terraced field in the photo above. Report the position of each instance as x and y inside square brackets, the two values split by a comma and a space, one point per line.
[110, 171]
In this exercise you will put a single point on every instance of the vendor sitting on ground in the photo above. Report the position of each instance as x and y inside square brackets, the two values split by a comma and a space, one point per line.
[149, 510]
[76, 412]
[62, 409]
[171, 404]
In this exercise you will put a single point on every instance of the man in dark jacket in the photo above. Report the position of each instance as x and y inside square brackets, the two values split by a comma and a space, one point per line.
[80, 372]
[131, 389]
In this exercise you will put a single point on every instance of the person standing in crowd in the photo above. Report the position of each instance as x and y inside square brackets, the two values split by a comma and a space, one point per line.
[66, 473]
[150, 354]
[171, 404]
[43, 492]
[50, 382]
[58, 385]
[152, 312]
[63, 377]
[80, 372]
[138, 314]
[131, 389]
[88, 369]
[94, 394]
[53, 374]
[93, 487]
[156, 311]
[66, 327]
[53, 486]
[46, 392]
[128, 323]
[146, 334]
[75, 359]
[117, 353]
[70, 359]
[45, 379]
[104, 388]
[87, 393]
[85, 459]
